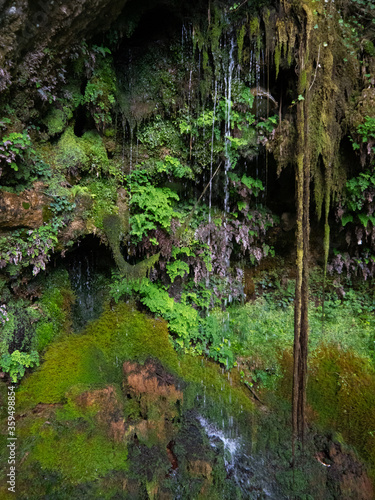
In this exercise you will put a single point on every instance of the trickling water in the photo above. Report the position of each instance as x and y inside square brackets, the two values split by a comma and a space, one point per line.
[249, 472]
[231, 445]
[212, 156]
[131, 149]
[81, 276]
[227, 143]
[87, 273]
[228, 109]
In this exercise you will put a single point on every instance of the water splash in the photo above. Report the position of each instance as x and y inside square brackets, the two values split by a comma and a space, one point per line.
[250, 473]
[231, 445]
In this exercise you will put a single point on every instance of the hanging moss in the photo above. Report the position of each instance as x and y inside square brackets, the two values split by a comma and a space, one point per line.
[240, 42]
[277, 58]
[113, 228]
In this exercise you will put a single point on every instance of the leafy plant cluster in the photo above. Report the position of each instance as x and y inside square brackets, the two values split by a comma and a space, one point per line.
[15, 150]
[100, 91]
[15, 364]
[366, 133]
[29, 247]
[192, 332]
[358, 218]
[151, 207]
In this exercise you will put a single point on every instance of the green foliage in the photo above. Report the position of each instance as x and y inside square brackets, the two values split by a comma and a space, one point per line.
[357, 201]
[215, 331]
[15, 364]
[367, 129]
[8, 323]
[152, 207]
[14, 148]
[270, 123]
[192, 333]
[172, 166]
[101, 90]
[254, 185]
[159, 133]
[61, 204]
[17, 153]
[183, 320]
[355, 188]
[177, 268]
[24, 248]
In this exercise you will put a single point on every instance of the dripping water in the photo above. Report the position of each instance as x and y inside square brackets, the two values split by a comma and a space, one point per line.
[227, 143]
[212, 158]
[249, 472]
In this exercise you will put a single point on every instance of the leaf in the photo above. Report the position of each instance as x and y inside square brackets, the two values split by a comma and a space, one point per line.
[364, 219]
[241, 205]
[346, 218]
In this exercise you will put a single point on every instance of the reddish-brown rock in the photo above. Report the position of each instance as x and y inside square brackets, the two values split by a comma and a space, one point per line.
[25, 209]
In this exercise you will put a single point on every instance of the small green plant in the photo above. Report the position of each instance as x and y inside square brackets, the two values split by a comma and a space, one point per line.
[31, 247]
[15, 149]
[177, 268]
[153, 208]
[173, 166]
[270, 123]
[15, 364]
[60, 204]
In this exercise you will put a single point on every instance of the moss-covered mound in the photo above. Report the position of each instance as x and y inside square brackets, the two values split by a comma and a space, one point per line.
[117, 389]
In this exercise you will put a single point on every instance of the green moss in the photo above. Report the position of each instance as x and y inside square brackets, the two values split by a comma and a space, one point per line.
[113, 228]
[77, 456]
[277, 58]
[369, 48]
[341, 389]
[225, 397]
[104, 194]
[302, 82]
[90, 358]
[56, 121]
[56, 304]
[240, 42]
[86, 153]
[100, 92]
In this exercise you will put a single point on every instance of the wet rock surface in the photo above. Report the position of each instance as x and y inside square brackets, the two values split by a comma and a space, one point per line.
[28, 27]
[25, 209]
